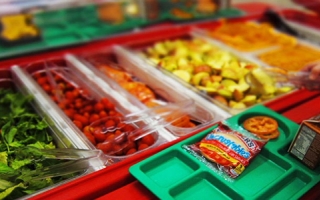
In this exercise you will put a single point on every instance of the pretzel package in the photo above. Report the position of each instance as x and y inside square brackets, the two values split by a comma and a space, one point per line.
[227, 151]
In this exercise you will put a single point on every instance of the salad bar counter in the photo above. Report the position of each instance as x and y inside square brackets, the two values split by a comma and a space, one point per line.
[180, 111]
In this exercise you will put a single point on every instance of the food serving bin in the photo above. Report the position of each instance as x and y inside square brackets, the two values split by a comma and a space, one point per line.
[271, 48]
[62, 137]
[216, 94]
[93, 90]
[203, 114]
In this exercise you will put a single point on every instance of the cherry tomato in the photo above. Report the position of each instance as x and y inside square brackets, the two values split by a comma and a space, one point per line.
[99, 135]
[110, 123]
[118, 149]
[78, 124]
[131, 151]
[121, 125]
[76, 92]
[69, 95]
[42, 80]
[105, 146]
[46, 87]
[62, 105]
[105, 102]
[88, 108]
[90, 137]
[58, 78]
[61, 86]
[110, 137]
[37, 75]
[86, 115]
[142, 146]
[69, 113]
[98, 107]
[81, 118]
[103, 114]
[148, 139]
[86, 129]
[130, 145]
[112, 113]
[54, 98]
[119, 137]
[93, 118]
[110, 106]
[128, 128]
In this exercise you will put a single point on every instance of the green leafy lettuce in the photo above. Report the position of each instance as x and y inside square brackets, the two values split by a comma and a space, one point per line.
[21, 127]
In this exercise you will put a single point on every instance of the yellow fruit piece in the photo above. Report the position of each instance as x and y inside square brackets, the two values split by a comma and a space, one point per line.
[184, 75]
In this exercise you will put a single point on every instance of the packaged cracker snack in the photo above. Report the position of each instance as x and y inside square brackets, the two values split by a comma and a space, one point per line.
[227, 150]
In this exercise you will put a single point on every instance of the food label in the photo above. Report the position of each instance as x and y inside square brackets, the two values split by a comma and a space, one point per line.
[229, 149]
[306, 144]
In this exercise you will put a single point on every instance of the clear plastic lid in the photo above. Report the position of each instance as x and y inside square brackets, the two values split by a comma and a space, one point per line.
[150, 90]
[121, 136]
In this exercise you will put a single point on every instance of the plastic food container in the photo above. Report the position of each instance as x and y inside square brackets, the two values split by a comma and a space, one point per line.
[260, 37]
[92, 100]
[61, 139]
[300, 55]
[207, 79]
[148, 89]
[268, 47]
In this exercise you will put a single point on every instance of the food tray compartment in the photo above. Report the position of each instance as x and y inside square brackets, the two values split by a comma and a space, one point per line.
[300, 55]
[8, 80]
[92, 95]
[269, 51]
[283, 177]
[215, 91]
[186, 11]
[155, 90]
[77, 25]
[235, 34]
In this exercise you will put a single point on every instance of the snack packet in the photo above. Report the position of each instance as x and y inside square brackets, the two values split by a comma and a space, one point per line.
[226, 150]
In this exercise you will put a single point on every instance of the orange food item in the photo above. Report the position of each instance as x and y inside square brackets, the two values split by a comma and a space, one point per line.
[181, 13]
[262, 126]
[206, 6]
[117, 75]
[291, 58]
[137, 89]
[111, 12]
[250, 36]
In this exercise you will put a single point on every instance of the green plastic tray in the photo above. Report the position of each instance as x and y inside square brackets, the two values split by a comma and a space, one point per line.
[225, 13]
[166, 7]
[69, 27]
[272, 174]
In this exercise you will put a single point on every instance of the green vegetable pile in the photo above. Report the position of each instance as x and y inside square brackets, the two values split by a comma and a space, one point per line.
[21, 127]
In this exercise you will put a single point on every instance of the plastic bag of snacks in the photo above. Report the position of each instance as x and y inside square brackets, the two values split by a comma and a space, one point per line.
[227, 149]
